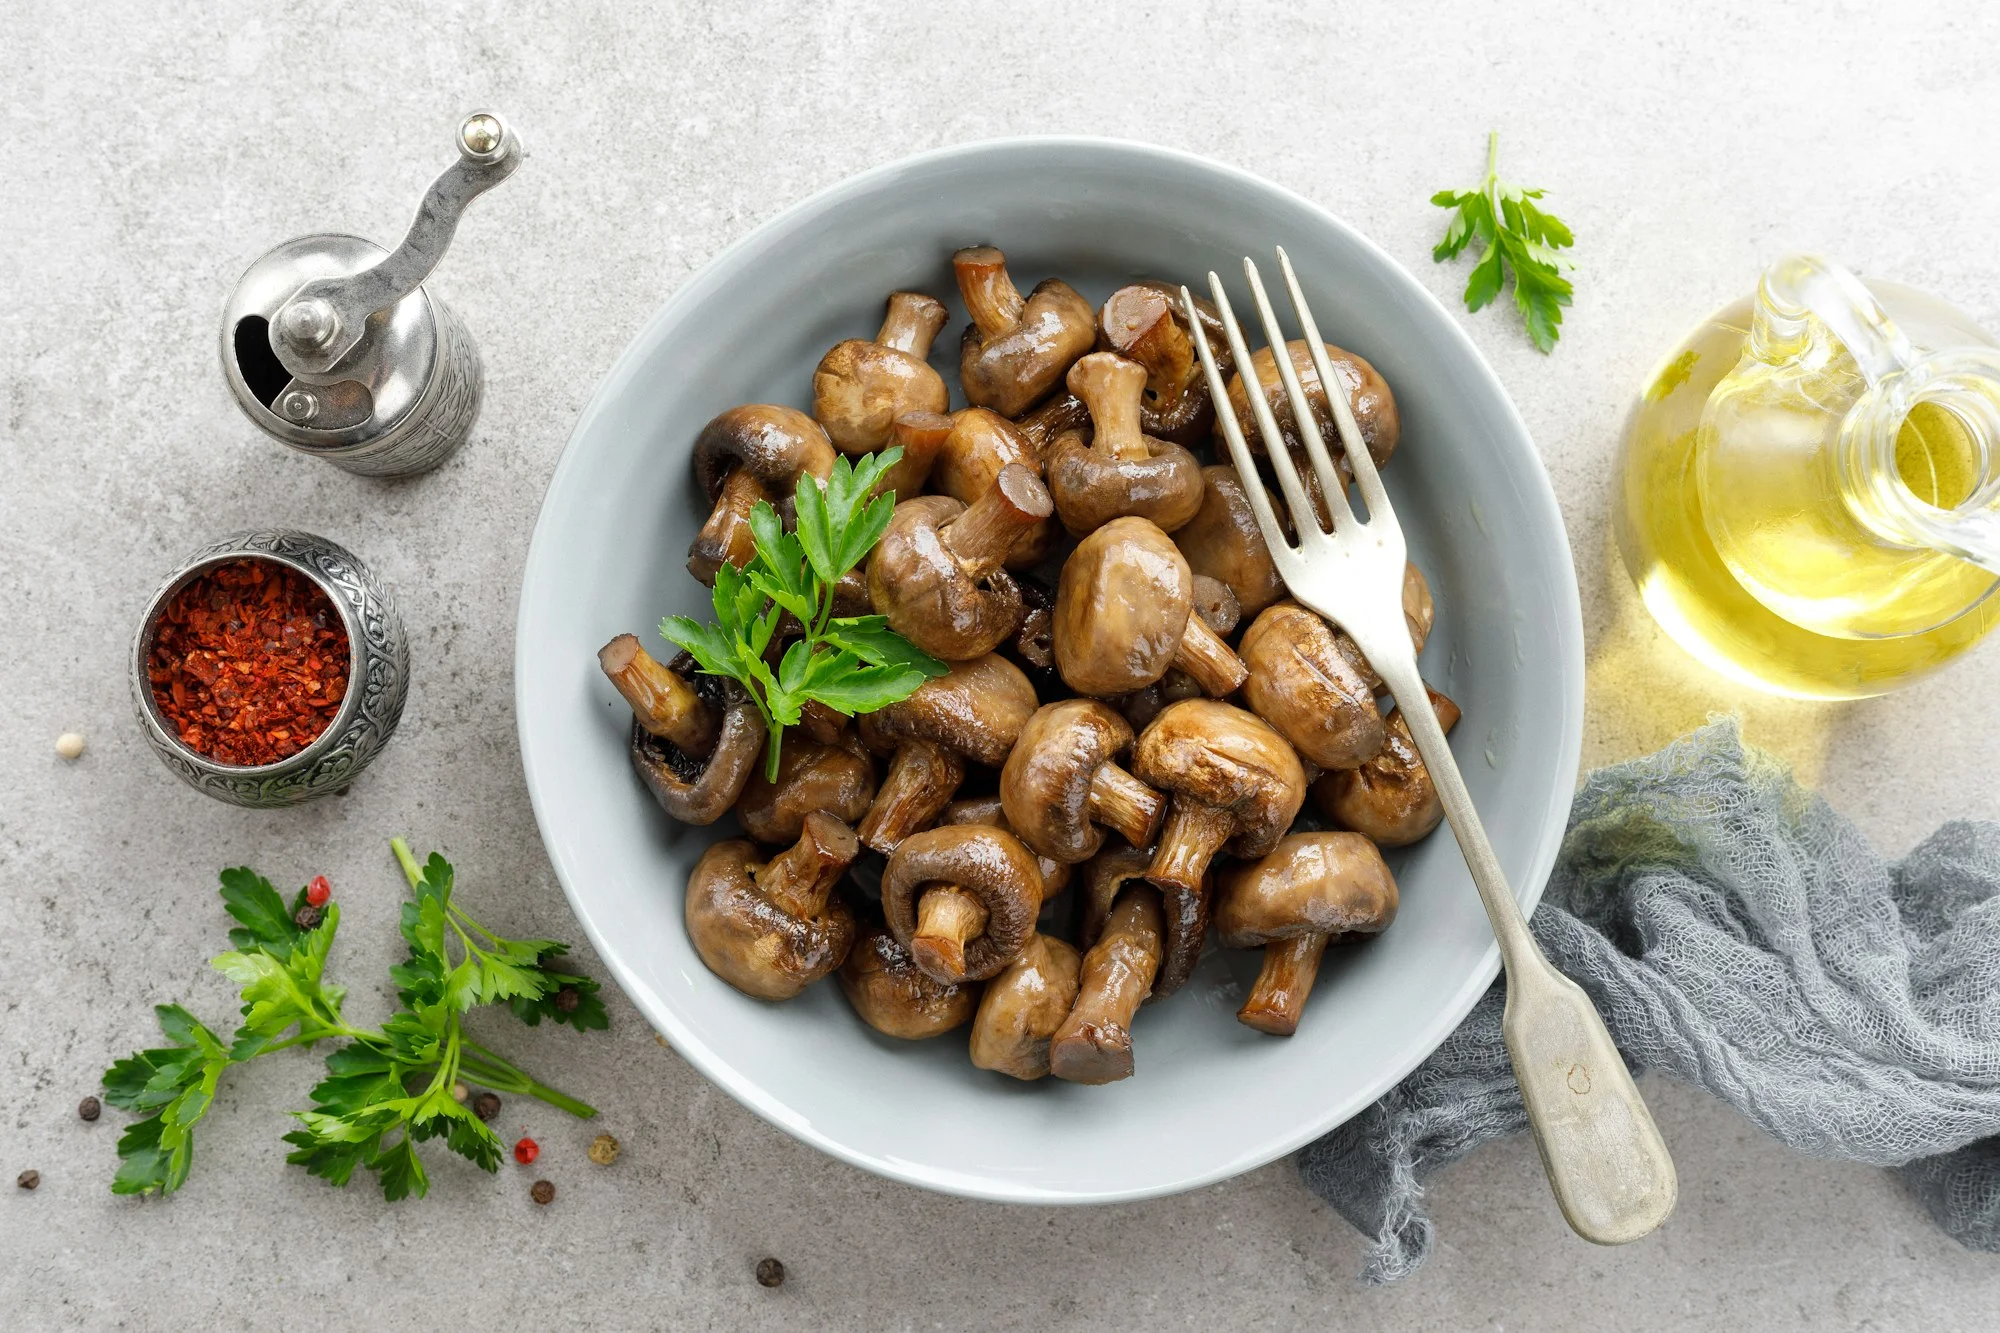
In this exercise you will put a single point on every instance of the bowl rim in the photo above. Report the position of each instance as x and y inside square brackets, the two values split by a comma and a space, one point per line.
[720, 269]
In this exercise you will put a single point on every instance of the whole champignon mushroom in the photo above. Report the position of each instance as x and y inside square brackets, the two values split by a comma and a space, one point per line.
[1144, 322]
[1223, 541]
[1233, 781]
[936, 573]
[1419, 613]
[1303, 685]
[1368, 397]
[1120, 470]
[883, 985]
[987, 810]
[974, 711]
[1022, 1008]
[1094, 1044]
[695, 785]
[919, 435]
[1062, 786]
[750, 453]
[980, 446]
[813, 776]
[772, 928]
[1124, 614]
[1391, 798]
[962, 898]
[1184, 912]
[861, 387]
[1311, 887]
[1015, 351]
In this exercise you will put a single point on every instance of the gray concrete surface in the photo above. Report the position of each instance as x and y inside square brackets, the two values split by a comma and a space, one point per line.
[148, 152]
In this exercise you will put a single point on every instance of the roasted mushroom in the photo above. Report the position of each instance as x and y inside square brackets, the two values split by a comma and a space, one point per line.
[936, 573]
[1124, 615]
[884, 986]
[1223, 541]
[1184, 912]
[919, 435]
[987, 810]
[975, 711]
[1391, 797]
[1094, 1044]
[1368, 397]
[1119, 470]
[1015, 351]
[1062, 781]
[1232, 779]
[1022, 1008]
[772, 928]
[861, 387]
[1311, 887]
[1302, 684]
[750, 453]
[837, 778]
[980, 446]
[962, 899]
[1144, 322]
[715, 717]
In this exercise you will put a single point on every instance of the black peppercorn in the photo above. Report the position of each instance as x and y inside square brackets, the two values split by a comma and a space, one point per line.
[770, 1273]
[486, 1105]
[308, 917]
[89, 1108]
[27, 1180]
[567, 999]
[542, 1192]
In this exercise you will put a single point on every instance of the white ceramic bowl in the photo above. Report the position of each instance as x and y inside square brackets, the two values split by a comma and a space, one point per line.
[1211, 1097]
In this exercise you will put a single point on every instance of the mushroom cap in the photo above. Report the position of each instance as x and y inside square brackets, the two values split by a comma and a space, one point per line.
[1185, 914]
[1223, 541]
[1219, 756]
[838, 779]
[916, 581]
[976, 709]
[1391, 798]
[882, 983]
[1045, 785]
[1368, 397]
[1309, 884]
[775, 443]
[700, 791]
[988, 863]
[1302, 684]
[749, 941]
[862, 385]
[1012, 371]
[1022, 1008]
[1122, 605]
[988, 810]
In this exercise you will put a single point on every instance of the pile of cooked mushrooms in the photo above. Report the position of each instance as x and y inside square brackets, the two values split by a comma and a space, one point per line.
[1039, 841]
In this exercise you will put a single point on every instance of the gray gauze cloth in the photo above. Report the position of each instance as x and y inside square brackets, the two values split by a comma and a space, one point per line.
[1739, 935]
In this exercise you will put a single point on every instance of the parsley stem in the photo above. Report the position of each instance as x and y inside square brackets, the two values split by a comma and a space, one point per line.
[411, 870]
[483, 1066]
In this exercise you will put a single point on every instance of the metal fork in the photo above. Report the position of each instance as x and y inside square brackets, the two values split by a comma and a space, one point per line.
[1604, 1156]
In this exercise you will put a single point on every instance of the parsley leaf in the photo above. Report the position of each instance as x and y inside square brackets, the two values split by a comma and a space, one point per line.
[854, 664]
[1515, 237]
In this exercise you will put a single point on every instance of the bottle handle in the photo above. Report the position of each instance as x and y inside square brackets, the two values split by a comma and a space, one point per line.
[1802, 287]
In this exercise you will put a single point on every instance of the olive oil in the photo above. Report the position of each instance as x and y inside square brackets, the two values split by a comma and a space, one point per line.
[1752, 532]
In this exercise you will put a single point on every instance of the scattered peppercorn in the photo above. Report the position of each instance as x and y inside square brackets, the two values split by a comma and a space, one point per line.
[89, 1108]
[604, 1150]
[526, 1151]
[486, 1106]
[542, 1192]
[770, 1273]
[567, 999]
[308, 917]
[318, 891]
[27, 1180]
[69, 745]
[459, 1092]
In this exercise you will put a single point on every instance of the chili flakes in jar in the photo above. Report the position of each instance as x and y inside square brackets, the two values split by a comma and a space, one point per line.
[249, 662]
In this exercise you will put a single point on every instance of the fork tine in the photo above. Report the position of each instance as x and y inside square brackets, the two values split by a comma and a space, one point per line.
[1330, 484]
[1358, 458]
[1239, 448]
[1267, 426]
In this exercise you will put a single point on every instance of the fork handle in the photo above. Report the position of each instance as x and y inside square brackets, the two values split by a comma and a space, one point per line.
[1605, 1159]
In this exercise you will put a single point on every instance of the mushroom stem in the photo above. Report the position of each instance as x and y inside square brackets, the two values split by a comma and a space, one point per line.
[1140, 325]
[983, 535]
[1207, 657]
[991, 297]
[663, 703]
[1125, 805]
[921, 779]
[1111, 385]
[947, 917]
[798, 879]
[912, 323]
[726, 537]
[1279, 998]
[1094, 1044]
[1194, 833]
[920, 435]
[1041, 427]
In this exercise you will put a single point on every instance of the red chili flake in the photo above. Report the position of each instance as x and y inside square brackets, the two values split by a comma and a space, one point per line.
[249, 663]
[318, 891]
[526, 1151]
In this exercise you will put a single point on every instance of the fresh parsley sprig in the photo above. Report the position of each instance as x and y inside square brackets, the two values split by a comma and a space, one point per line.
[386, 1090]
[1517, 238]
[851, 664]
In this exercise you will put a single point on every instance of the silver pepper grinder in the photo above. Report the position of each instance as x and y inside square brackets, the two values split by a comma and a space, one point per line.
[335, 347]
